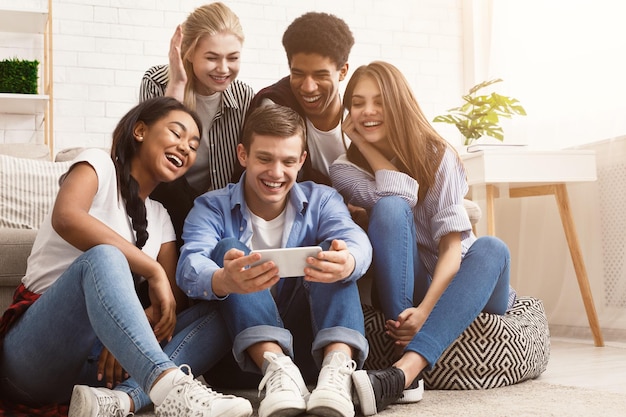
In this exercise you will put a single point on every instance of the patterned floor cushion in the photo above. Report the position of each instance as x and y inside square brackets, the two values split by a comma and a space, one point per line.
[494, 351]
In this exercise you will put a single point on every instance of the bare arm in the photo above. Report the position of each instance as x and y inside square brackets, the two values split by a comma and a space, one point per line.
[72, 221]
[448, 265]
[168, 257]
[411, 320]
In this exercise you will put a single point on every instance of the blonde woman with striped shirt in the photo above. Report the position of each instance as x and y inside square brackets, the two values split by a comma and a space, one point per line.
[204, 61]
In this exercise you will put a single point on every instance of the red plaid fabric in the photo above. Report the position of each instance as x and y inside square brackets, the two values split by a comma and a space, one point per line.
[22, 299]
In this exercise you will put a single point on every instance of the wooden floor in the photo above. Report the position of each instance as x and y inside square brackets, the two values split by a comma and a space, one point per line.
[577, 362]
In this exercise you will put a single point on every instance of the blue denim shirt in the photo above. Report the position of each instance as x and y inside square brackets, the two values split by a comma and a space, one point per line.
[320, 216]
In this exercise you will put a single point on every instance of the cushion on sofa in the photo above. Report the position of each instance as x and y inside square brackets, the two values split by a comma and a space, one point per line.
[28, 188]
[494, 351]
[15, 247]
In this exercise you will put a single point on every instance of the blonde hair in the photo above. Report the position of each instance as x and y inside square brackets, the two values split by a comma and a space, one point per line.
[412, 138]
[207, 20]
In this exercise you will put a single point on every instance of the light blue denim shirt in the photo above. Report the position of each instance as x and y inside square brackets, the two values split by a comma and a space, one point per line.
[320, 216]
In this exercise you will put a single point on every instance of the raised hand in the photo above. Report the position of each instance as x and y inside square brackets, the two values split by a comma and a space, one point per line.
[178, 76]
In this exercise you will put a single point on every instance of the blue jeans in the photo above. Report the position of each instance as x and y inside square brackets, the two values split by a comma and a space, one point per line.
[55, 344]
[401, 279]
[335, 314]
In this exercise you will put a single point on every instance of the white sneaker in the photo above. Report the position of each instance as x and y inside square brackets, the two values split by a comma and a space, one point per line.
[190, 397]
[95, 402]
[333, 395]
[285, 391]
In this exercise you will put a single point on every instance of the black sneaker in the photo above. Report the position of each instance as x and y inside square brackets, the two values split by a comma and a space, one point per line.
[378, 389]
[413, 393]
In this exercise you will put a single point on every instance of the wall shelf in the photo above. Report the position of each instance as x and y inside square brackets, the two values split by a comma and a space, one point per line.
[23, 103]
[38, 22]
[23, 21]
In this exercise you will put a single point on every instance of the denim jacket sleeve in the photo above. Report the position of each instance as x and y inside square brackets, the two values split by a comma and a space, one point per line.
[335, 222]
[208, 222]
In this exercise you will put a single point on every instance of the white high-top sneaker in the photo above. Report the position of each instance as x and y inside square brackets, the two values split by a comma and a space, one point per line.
[96, 402]
[285, 391]
[189, 397]
[333, 395]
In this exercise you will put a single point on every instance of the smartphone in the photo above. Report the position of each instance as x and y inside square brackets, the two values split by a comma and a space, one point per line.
[290, 261]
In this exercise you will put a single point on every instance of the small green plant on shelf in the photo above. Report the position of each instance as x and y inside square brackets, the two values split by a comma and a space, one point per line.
[480, 114]
[18, 76]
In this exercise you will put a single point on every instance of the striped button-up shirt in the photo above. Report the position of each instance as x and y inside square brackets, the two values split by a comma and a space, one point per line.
[225, 128]
[441, 212]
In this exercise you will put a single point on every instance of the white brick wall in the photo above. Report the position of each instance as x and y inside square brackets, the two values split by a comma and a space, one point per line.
[102, 48]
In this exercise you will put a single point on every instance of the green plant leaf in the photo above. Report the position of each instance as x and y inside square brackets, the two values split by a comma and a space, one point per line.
[484, 84]
[480, 115]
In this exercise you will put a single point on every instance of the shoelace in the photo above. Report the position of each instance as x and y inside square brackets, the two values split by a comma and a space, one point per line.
[109, 406]
[273, 381]
[337, 376]
[194, 390]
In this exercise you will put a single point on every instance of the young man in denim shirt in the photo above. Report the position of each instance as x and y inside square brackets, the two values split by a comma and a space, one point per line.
[267, 208]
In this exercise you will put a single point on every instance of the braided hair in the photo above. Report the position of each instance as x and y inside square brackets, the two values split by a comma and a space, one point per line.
[124, 147]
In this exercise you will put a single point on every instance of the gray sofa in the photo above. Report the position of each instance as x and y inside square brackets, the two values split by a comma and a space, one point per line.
[17, 237]
[15, 246]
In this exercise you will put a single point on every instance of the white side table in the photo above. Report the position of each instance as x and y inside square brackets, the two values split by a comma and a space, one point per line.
[527, 173]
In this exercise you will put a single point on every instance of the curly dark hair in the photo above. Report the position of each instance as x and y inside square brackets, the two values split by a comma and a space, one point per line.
[320, 33]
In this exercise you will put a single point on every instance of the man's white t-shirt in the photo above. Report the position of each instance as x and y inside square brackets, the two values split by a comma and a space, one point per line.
[325, 147]
[52, 255]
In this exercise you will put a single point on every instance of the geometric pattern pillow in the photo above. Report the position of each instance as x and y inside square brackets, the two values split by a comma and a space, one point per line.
[494, 351]
[28, 188]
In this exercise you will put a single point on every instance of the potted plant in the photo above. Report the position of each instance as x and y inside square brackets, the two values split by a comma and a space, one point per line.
[480, 114]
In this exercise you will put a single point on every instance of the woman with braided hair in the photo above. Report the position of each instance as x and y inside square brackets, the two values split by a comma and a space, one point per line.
[77, 321]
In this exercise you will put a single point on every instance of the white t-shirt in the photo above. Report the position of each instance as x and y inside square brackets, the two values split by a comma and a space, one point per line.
[325, 147]
[267, 234]
[52, 255]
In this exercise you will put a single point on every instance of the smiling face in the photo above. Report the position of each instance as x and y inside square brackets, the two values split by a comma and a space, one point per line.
[272, 164]
[314, 80]
[367, 113]
[168, 148]
[216, 62]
